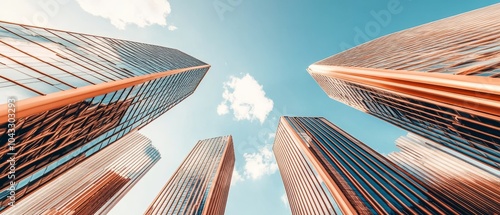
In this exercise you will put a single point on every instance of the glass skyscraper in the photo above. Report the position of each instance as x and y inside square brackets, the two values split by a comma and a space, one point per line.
[201, 184]
[74, 94]
[439, 80]
[327, 171]
[95, 185]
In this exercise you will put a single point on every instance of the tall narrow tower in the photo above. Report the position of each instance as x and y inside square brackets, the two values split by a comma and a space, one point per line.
[439, 80]
[201, 184]
[95, 185]
[65, 96]
[327, 171]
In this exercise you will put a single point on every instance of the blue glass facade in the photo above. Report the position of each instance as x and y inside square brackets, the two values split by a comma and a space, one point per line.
[368, 182]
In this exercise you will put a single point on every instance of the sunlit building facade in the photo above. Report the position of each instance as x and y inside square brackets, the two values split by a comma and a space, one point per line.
[74, 94]
[201, 184]
[95, 185]
[450, 174]
[439, 80]
[327, 171]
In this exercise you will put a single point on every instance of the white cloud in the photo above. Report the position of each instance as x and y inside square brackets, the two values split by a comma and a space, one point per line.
[271, 135]
[237, 177]
[246, 98]
[284, 199]
[123, 12]
[20, 11]
[172, 27]
[260, 163]
[222, 109]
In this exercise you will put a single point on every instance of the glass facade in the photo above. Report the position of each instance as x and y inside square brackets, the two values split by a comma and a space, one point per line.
[78, 93]
[438, 80]
[360, 180]
[201, 184]
[450, 175]
[95, 185]
[465, 44]
[306, 191]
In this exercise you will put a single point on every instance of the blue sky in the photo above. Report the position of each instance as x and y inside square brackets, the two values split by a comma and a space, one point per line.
[259, 52]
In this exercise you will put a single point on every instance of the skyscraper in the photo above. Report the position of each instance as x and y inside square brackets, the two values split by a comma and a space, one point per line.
[438, 80]
[70, 95]
[96, 184]
[327, 171]
[201, 184]
[452, 176]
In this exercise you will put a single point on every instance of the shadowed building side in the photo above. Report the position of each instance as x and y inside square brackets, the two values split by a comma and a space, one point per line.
[439, 80]
[41, 144]
[201, 183]
[95, 185]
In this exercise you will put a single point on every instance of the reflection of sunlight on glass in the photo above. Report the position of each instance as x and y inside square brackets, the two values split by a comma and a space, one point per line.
[13, 91]
[33, 49]
[53, 67]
